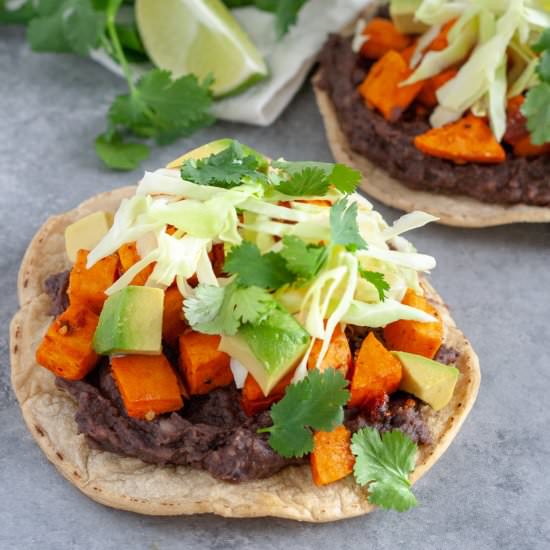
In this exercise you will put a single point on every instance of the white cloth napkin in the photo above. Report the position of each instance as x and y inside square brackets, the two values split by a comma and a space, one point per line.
[288, 59]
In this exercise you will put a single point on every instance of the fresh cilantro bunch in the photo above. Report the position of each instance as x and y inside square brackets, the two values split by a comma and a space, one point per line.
[536, 107]
[225, 169]
[384, 462]
[315, 403]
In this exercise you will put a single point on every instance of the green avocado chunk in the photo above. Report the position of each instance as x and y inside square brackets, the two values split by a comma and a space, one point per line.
[131, 322]
[428, 380]
[269, 349]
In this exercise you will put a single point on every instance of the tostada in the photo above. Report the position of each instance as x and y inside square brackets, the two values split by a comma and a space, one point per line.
[445, 107]
[238, 336]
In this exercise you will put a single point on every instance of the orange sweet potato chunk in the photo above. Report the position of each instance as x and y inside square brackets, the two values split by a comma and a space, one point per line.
[469, 139]
[87, 286]
[66, 348]
[147, 384]
[204, 367]
[331, 458]
[173, 323]
[376, 372]
[383, 36]
[338, 355]
[413, 336]
[128, 255]
[381, 88]
[253, 400]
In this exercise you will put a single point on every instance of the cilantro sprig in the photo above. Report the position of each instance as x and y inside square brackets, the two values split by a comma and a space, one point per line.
[222, 310]
[224, 169]
[343, 225]
[302, 259]
[536, 107]
[376, 279]
[314, 178]
[384, 462]
[315, 403]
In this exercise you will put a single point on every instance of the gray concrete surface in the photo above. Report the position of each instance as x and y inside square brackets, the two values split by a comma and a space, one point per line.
[491, 490]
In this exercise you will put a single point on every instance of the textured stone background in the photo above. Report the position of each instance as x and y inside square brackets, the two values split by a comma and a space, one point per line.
[490, 490]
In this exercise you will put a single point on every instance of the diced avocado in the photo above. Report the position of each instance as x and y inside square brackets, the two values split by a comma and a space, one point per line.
[86, 233]
[402, 14]
[131, 322]
[213, 148]
[426, 379]
[268, 350]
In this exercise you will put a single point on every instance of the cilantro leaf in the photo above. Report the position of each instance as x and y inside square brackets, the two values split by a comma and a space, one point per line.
[120, 155]
[287, 15]
[204, 305]
[344, 178]
[222, 310]
[304, 260]
[224, 169]
[316, 403]
[254, 269]
[377, 279]
[343, 225]
[66, 26]
[308, 182]
[536, 109]
[251, 305]
[384, 462]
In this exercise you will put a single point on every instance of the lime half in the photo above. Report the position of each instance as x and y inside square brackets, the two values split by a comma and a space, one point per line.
[199, 37]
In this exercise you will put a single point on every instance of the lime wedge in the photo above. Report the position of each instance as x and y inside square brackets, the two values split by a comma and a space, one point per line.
[199, 37]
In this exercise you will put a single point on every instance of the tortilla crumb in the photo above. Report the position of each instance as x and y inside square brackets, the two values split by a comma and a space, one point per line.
[150, 416]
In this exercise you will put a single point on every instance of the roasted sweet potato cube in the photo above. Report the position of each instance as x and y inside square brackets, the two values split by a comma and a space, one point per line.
[204, 367]
[469, 139]
[382, 36]
[66, 348]
[381, 88]
[413, 336]
[331, 458]
[376, 372]
[253, 400]
[173, 323]
[147, 384]
[88, 286]
[129, 256]
[338, 355]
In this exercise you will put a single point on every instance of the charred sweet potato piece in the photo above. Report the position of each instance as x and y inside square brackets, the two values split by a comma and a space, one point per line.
[204, 367]
[253, 400]
[427, 94]
[413, 336]
[383, 36]
[147, 384]
[467, 140]
[173, 323]
[66, 348]
[338, 355]
[88, 286]
[381, 89]
[331, 458]
[375, 373]
[128, 255]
